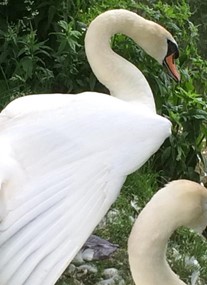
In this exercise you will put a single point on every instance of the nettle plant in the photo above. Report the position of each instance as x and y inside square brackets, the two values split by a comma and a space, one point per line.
[41, 48]
[184, 104]
[23, 57]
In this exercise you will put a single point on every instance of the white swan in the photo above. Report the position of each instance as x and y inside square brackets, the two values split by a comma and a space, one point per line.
[180, 203]
[64, 158]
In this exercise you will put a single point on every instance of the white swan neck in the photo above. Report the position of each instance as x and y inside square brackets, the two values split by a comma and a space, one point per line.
[121, 77]
[147, 247]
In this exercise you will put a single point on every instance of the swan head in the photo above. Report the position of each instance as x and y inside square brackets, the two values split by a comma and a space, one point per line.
[189, 203]
[160, 45]
[179, 203]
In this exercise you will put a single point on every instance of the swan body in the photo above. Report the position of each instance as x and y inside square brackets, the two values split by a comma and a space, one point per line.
[180, 203]
[64, 159]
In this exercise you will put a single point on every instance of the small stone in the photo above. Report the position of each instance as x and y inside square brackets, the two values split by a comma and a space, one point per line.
[192, 262]
[194, 277]
[110, 272]
[71, 269]
[88, 254]
[85, 268]
[110, 281]
[78, 259]
[122, 282]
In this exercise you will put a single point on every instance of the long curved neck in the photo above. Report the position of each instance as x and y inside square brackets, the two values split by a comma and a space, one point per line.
[148, 243]
[121, 77]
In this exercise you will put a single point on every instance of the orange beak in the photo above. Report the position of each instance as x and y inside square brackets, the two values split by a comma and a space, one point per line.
[170, 64]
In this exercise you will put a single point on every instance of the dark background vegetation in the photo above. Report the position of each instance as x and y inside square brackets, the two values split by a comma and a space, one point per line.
[42, 51]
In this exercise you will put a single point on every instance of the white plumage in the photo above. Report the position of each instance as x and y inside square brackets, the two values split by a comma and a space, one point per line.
[179, 203]
[64, 159]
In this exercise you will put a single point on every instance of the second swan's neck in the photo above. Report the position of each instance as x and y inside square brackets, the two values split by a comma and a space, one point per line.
[148, 243]
[121, 77]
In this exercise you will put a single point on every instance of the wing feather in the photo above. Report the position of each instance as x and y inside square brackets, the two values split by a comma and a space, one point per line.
[63, 162]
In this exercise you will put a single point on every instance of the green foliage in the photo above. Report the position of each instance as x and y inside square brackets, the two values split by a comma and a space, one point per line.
[199, 18]
[41, 48]
[181, 153]
[185, 104]
[183, 245]
[66, 58]
[22, 61]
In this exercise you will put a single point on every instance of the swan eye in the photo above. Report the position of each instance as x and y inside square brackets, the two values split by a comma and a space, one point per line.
[204, 233]
[172, 49]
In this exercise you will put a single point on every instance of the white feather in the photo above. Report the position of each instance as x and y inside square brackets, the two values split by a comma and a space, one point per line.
[69, 173]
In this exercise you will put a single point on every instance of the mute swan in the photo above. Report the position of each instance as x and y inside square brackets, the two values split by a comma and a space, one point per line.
[180, 203]
[64, 158]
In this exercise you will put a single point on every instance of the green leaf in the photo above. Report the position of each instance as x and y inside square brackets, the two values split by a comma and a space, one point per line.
[27, 65]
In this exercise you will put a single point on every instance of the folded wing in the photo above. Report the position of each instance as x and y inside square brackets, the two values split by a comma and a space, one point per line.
[63, 162]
